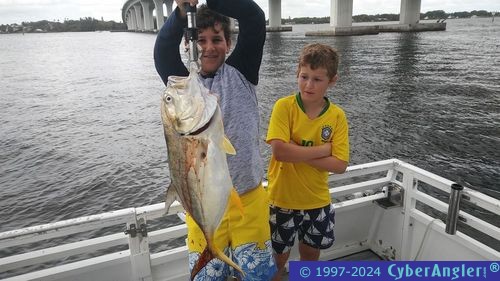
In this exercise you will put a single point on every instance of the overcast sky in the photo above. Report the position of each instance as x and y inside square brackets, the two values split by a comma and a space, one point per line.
[17, 11]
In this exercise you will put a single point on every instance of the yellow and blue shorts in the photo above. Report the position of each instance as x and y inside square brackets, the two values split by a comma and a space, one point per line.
[245, 239]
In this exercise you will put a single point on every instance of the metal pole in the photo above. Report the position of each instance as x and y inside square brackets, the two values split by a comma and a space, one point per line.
[191, 33]
[453, 208]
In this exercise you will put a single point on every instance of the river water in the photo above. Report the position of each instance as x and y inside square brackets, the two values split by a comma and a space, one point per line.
[81, 132]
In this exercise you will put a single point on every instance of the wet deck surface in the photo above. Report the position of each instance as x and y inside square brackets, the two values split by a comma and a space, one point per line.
[367, 255]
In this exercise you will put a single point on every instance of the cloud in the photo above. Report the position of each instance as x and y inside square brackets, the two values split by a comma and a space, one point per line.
[35, 10]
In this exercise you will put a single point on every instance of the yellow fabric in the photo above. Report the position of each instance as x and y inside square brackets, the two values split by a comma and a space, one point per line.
[298, 185]
[234, 229]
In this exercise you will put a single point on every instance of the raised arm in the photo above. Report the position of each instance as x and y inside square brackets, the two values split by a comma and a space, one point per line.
[247, 53]
[166, 51]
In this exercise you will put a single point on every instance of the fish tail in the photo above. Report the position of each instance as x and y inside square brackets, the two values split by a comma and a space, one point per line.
[220, 255]
[211, 252]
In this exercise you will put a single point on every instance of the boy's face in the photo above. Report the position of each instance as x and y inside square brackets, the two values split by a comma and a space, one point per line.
[214, 46]
[313, 84]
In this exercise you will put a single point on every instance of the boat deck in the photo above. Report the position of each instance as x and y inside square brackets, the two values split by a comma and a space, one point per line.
[385, 210]
[367, 255]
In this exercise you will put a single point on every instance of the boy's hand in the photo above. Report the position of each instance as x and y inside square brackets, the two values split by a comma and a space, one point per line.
[180, 4]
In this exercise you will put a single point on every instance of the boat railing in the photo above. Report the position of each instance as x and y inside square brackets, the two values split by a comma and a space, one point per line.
[417, 184]
[372, 182]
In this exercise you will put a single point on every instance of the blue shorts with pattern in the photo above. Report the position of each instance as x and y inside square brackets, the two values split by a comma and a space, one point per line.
[314, 227]
[244, 238]
[257, 264]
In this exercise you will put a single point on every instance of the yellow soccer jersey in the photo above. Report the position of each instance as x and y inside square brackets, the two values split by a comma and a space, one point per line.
[298, 185]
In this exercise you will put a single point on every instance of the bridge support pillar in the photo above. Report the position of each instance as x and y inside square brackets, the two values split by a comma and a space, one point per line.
[134, 19]
[274, 13]
[410, 12]
[151, 17]
[147, 11]
[341, 13]
[159, 13]
[168, 4]
[341, 21]
[275, 17]
[130, 19]
[138, 17]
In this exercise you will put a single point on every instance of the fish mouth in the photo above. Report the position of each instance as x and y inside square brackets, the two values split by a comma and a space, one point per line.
[202, 128]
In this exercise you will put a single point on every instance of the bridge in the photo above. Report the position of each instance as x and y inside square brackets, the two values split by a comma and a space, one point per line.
[138, 15]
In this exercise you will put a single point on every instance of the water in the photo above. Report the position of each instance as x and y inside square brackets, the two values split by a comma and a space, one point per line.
[81, 132]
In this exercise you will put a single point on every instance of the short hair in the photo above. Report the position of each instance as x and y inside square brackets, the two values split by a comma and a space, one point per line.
[318, 55]
[207, 18]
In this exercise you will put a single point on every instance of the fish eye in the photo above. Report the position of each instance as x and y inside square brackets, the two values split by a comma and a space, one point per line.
[168, 98]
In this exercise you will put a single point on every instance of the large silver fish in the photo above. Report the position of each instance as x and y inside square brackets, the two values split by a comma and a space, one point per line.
[197, 150]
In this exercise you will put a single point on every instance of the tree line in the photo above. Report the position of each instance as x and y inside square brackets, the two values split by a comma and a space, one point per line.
[92, 24]
[83, 24]
[433, 15]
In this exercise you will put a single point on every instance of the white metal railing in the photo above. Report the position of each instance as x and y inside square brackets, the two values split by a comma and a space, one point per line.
[412, 176]
[142, 260]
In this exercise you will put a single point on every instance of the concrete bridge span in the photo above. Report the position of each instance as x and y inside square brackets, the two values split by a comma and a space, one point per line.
[138, 15]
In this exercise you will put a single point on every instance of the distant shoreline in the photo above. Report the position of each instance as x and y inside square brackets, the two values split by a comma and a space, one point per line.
[90, 24]
[81, 25]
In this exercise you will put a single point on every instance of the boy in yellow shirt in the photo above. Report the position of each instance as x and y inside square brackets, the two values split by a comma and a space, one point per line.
[309, 138]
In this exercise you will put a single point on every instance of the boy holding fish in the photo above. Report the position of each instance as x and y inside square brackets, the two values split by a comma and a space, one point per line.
[245, 235]
[308, 135]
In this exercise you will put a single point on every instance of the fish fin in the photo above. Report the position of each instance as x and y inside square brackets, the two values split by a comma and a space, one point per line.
[235, 199]
[170, 198]
[228, 147]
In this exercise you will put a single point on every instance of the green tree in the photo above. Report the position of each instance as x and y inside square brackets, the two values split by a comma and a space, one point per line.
[481, 13]
[437, 14]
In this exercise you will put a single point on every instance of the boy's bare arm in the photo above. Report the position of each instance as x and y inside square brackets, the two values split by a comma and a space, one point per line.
[330, 164]
[291, 152]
